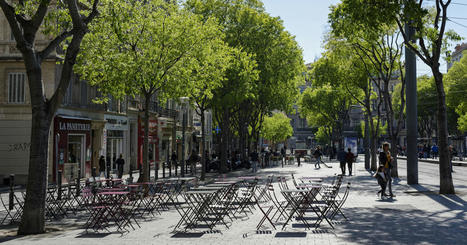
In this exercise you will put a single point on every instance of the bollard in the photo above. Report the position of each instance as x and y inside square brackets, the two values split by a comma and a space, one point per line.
[163, 169]
[107, 175]
[78, 183]
[176, 168]
[131, 171]
[94, 171]
[156, 171]
[170, 169]
[12, 192]
[59, 184]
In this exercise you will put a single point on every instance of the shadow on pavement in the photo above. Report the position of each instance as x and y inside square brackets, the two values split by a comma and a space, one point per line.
[408, 224]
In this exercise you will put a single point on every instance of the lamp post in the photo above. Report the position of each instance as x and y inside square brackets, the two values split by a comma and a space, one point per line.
[184, 122]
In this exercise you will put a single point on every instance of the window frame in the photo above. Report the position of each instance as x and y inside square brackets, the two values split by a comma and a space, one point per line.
[14, 95]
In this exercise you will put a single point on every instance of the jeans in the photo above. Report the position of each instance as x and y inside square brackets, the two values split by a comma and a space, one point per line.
[389, 185]
[120, 171]
[343, 167]
[318, 161]
[349, 165]
[254, 166]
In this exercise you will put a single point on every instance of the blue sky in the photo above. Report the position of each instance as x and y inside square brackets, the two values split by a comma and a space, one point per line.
[307, 21]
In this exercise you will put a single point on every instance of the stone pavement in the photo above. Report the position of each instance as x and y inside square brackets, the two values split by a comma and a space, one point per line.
[416, 216]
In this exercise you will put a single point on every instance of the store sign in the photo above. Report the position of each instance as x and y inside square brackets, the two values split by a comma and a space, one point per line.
[116, 122]
[73, 126]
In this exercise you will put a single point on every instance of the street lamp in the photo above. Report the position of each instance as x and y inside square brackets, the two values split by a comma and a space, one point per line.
[184, 122]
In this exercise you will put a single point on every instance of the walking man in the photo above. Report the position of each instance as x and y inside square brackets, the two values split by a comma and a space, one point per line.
[120, 162]
[317, 154]
[385, 160]
[254, 160]
[341, 157]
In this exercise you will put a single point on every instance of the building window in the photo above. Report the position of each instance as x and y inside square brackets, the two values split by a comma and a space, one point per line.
[16, 85]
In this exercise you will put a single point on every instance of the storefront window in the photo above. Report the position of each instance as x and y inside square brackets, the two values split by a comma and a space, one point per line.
[75, 156]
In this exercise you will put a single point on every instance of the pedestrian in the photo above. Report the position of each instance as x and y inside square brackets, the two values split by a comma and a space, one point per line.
[173, 160]
[283, 155]
[385, 159]
[102, 166]
[254, 160]
[317, 154]
[349, 158]
[120, 162]
[382, 180]
[434, 150]
[341, 155]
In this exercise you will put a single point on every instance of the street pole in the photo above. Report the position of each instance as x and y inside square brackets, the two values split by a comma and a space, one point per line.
[183, 140]
[411, 109]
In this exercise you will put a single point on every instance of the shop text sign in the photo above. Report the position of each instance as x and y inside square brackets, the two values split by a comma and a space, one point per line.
[73, 126]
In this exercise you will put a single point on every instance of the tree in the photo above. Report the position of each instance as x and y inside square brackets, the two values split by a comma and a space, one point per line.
[380, 50]
[429, 43]
[277, 128]
[145, 48]
[207, 76]
[456, 80]
[26, 19]
[359, 84]
[278, 61]
[325, 106]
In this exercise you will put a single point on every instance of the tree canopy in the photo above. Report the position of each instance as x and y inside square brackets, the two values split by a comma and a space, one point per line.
[277, 128]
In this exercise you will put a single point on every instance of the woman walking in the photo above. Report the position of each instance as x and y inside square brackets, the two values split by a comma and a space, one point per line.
[385, 160]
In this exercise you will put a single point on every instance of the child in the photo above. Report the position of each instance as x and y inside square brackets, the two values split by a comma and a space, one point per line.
[382, 180]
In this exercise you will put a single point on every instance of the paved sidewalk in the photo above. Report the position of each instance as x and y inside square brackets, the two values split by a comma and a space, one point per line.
[416, 216]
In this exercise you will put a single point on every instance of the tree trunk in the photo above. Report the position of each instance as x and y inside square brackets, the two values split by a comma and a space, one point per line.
[203, 146]
[225, 139]
[33, 219]
[394, 150]
[446, 185]
[367, 142]
[374, 155]
[146, 139]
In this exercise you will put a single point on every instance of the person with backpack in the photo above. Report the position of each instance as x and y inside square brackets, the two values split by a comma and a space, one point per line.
[349, 158]
[385, 159]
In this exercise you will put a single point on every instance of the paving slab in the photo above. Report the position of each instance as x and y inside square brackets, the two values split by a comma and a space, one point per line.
[417, 215]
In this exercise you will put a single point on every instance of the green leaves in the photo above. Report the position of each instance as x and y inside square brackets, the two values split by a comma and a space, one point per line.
[277, 128]
[143, 47]
[456, 81]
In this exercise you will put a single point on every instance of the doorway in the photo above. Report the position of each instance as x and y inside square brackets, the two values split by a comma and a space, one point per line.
[76, 155]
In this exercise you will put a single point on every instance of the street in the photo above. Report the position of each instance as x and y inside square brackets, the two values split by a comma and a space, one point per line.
[414, 216]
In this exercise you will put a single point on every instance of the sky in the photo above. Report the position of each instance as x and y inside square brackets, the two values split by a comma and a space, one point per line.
[307, 20]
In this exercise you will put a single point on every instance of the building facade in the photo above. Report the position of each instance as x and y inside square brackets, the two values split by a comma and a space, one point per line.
[82, 131]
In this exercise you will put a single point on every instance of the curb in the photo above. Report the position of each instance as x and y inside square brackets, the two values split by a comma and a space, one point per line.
[455, 163]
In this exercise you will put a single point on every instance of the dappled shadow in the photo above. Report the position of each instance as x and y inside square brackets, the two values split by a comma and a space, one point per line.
[409, 225]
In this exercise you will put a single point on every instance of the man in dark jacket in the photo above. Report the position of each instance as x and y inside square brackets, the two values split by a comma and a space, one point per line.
[341, 158]
[120, 162]
[385, 160]
[102, 166]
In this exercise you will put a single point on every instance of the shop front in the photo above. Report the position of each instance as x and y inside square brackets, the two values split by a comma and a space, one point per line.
[72, 151]
[153, 141]
[115, 138]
